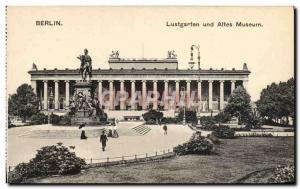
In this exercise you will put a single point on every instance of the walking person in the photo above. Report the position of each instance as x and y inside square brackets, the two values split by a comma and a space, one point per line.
[103, 140]
[165, 128]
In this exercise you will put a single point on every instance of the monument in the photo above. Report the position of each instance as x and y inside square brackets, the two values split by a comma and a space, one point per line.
[85, 106]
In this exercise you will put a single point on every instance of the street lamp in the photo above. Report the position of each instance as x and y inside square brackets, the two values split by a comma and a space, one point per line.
[197, 47]
[184, 118]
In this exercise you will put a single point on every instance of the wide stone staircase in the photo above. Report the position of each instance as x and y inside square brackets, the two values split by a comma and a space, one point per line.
[141, 129]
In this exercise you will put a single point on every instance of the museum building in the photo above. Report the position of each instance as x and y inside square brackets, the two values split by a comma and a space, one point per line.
[205, 91]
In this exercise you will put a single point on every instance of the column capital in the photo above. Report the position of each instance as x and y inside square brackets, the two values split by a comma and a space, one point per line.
[144, 81]
[122, 81]
[154, 81]
[233, 81]
[166, 81]
[210, 81]
[199, 80]
[56, 81]
[99, 81]
[132, 81]
[177, 81]
[188, 81]
[111, 81]
[45, 81]
[67, 81]
[221, 81]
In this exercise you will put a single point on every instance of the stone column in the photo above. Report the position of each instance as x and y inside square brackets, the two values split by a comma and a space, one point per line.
[210, 94]
[56, 95]
[245, 84]
[221, 95]
[100, 92]
[188, 93]
[154, 94]
[33, 86]
[67, 94]
[199, 95]
[232, 85]
[133, 96]
[144, 94]
[177, 92]
[111, 95]
[122, 95]
[166, 95]
[45, 95]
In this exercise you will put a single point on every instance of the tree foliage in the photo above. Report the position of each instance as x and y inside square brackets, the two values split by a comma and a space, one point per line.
[24, 103]
[239, 104]
[277, 100]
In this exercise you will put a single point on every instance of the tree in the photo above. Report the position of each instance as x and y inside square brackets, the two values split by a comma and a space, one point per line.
[24, 103]
[277, 101]
[239, 104]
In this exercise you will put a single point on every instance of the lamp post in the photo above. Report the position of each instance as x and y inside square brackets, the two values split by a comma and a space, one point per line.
[184, 118]
[197, 47]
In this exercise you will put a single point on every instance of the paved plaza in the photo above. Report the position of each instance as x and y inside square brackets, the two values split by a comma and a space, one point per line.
[24, 141]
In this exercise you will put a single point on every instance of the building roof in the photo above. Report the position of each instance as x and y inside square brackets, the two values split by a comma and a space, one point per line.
[143, 60]
[142, 72]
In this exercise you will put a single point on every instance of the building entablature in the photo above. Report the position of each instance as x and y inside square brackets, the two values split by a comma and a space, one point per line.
[132, 74]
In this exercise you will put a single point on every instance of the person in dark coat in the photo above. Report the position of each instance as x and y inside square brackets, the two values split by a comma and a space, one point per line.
[83, 136]
[165, 128]
[103, 140]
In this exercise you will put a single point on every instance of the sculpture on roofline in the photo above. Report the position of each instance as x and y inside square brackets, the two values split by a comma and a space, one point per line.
[172, 54]
[114, 54]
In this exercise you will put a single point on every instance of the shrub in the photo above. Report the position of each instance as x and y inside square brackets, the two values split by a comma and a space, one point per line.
[214, 139]
[269, 122]
[151, 116]
[151, 122]
[65, 120]
[54, 119]
[222, 117]
[49, 160]
[38, 119]
[253, 122]
[190, 116]
[10, 125]
[196, 145]
[168, 120]
[224, 132]
[208, 123]
[284, 174]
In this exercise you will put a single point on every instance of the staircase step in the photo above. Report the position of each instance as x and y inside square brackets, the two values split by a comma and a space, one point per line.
[141, 129]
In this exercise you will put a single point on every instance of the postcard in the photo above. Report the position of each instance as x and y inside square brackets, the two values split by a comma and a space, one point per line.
[150, 95]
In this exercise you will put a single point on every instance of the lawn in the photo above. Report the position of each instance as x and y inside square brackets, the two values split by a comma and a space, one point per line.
[238, 160]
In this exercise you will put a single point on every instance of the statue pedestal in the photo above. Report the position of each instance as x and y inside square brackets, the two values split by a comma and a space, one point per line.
[85, 114]
[83, 87]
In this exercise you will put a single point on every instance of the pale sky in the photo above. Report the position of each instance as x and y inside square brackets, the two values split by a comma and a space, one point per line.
[268, 50]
